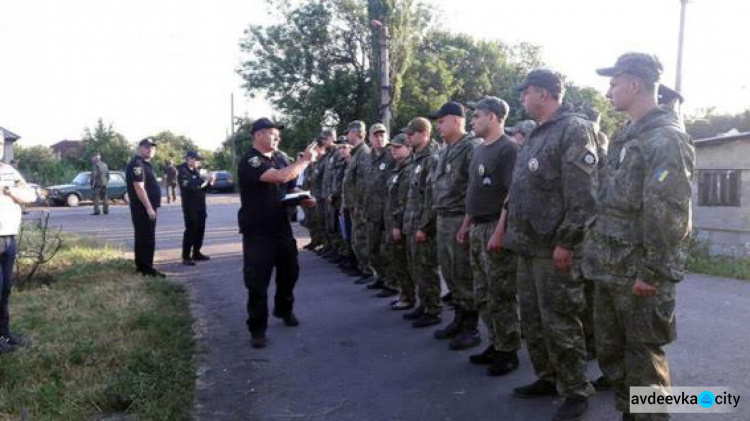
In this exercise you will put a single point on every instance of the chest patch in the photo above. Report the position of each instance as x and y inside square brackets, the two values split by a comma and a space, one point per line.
[382, 166]
[533, 164]
[254, 162]
[480, 170]
[448, 168]
[623, 152]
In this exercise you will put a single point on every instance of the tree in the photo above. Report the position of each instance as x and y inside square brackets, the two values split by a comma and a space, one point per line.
[706, 123]
[39, 165]
[114, 148]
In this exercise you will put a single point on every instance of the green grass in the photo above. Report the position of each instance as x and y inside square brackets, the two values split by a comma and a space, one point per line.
[104, 341]
[700, 261]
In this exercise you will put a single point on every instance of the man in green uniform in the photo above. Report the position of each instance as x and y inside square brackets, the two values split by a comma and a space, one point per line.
[355, 190]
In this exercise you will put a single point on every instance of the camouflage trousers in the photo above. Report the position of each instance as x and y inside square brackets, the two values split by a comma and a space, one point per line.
[422, 262]
[630, 336]
[587, 315]
[454, 261]
[337, 238]
[359, 242]
[495, 289]
[551, 303]
[398, 269]
[377, 250]
[322, 214]
[312, 223]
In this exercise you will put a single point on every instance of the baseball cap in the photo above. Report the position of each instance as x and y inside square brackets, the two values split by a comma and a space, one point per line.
[418, 124]
[342, 140]
[378, 128]
[667, 94]
[492, 104]
[358, 125]
[545, 79]
[264, 123]
[449, 108]
[148, 141]
[399, 139]
[641, 65]
[524, 126]
[194, 155]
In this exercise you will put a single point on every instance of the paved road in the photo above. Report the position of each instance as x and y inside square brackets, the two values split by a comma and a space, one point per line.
[354, 359]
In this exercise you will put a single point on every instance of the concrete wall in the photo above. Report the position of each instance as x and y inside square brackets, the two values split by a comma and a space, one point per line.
[726, 229]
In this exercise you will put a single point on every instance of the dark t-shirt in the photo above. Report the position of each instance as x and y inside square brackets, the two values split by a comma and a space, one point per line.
[137, 171]
[262, 214]
[490, 176]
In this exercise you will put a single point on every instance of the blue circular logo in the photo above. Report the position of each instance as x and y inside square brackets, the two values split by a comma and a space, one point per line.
[706, 399]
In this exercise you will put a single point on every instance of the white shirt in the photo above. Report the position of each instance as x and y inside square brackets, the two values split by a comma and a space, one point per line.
[10, 211]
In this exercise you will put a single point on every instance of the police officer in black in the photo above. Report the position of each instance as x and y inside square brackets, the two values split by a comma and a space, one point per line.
[144, 195]
[265, 177]
[193, 192]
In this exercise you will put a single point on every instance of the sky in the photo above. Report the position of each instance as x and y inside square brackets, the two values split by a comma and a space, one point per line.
[147, 66]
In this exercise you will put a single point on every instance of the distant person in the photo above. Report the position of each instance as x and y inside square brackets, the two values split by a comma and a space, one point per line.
[193, 193]
[521, 131]
[170, 181]
[99, 180]
[13, 193]
[145, 198]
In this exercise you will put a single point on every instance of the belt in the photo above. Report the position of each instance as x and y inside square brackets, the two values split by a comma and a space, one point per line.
[484, 219]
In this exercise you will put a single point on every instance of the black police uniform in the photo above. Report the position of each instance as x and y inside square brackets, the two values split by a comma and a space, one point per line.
[267, 240]
[194, 210]
[139, 170]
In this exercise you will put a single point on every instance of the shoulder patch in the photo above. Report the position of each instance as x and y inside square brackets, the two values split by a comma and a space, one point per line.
[589, 158]
[662, 175]
[254, 162]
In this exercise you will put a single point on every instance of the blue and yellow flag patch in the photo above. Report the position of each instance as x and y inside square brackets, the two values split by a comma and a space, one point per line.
[662, 175]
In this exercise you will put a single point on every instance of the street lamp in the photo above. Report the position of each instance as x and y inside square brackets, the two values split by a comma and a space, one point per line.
[678, 81]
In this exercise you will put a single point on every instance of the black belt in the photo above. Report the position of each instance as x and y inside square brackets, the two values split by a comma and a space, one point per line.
[484, 219]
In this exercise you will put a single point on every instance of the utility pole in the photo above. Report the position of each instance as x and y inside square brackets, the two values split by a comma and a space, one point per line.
[681, 42]
[385, 84]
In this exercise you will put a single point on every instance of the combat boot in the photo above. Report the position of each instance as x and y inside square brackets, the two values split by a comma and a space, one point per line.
[503, 363]
[427, 319]
[414, 314]
[486, 357]
[453, 328]
[468, 336]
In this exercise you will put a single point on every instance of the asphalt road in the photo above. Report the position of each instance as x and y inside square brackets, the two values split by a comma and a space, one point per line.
[352, 358]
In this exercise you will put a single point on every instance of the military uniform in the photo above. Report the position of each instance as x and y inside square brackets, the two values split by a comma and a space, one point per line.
[551, 198]
[641, 231]
[419, 216]
[451, 178]
[330, 211]
[318, 186]
[170, 182]
[393, 215]
[310, 213]
[490, 175]
[99, 181]
[378, 171]
[139, 170]
[355, 190]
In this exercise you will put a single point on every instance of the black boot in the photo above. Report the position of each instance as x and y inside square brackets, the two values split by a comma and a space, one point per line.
[571, 409]
[453, 328]
[504, 363]
[414, 314]
[468, 336]
[486, 357]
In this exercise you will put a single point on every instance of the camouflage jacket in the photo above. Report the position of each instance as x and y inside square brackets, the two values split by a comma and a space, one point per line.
[398, 189]
[331, 157]
[642, 224]
[419, 215]
[378, 171]
[318, 173]
[554, 186]
[355, 186]
[451, 176]
[339, 169]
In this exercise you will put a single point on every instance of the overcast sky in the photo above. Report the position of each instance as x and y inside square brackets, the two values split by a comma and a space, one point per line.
[147, 66]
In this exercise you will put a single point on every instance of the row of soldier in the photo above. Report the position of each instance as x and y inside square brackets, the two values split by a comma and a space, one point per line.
[548, 229]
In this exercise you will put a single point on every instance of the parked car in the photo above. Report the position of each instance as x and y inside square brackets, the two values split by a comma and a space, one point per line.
[223, 182]
[79, 190]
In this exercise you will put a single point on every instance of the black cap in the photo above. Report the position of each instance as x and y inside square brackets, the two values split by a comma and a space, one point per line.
[667, 95]
[641, 65]
[264, 123]
[194, 155]
[492, 104]
[342, 140]
[449, 108]
[149, 141]
[545, 79]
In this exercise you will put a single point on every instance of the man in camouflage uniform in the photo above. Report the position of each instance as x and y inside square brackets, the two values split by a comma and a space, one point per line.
[420, 223]
[379, 168]
[349, 266]
[550, 201]
[310, 213]
[393, 215]
[494, 268]
[332, 196]
[450, 182]
[521, 131]
[354, 195]
[636, 249]
[325, 141]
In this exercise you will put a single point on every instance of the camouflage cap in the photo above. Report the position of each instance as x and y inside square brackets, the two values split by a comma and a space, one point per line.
[399, 140]
[545, 79]
[358, 125]
[326, 133]
[492, 104]
[641, 65]
[525, 127]
[378, 128]
[418, 124]
[342, 140]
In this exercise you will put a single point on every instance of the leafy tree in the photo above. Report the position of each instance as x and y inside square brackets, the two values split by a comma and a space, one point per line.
[706, 123]
[39, 165]
[114, 148]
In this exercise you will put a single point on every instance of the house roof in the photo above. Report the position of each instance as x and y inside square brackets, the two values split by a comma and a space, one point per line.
[9, 135]
[717, 140]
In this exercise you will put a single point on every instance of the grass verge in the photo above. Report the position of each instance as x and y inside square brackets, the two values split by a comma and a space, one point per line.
[104, 342]
[701, 261]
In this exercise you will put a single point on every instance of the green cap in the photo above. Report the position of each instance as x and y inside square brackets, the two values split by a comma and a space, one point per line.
[378, 128]
[358, 125]
[641, 65]
[399, 140]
